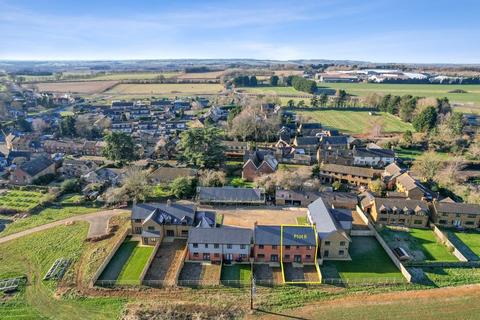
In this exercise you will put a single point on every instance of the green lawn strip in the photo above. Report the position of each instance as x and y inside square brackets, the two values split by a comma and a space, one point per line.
[119, 259]
[468, 242]
[369, 263]
[133, 268]
[445, 277]
[45, 216]
[33, 255]
[238, 182]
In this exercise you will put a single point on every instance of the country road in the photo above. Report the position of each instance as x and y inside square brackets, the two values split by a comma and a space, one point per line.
[98, 224]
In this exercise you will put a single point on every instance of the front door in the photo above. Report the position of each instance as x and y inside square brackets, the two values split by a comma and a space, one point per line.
[325, 253]
[457, 223]
[297, 258]
[229, 257]
[206, 256]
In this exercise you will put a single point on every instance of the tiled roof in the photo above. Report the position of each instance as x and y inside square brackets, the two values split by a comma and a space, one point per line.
[356, 171]
[412, 207]
[452, 207]
[35, 166]
[162, 213]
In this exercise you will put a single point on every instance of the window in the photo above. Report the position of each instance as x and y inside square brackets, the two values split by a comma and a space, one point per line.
[195, 245]
[469, 223]
[138, 220]
[308, 257]
[298, 247]
[206, 245]
[170, 233]
[195, 254]
[327, 243]
[287, 247]
[286, 257]
[260, 246]
[216, 255]
[151, 228]
[260, 256]
[309, 247]
[274, 247]
[274, 258]
[242, 246]
[442, 221]
[471, 216]
[229, 246]
[342, 243]
[341, 252]
[216, 246]
[417, 222]
[185, 233]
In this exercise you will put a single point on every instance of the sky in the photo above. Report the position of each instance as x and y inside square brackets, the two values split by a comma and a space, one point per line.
[409, 31]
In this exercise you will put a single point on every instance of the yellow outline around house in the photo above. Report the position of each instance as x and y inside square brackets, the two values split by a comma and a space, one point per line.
[316, 252]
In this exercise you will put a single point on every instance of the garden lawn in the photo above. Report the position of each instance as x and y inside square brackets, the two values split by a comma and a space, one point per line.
[45, 216]
[468, 242]
[236, 272]
[128, 263]
[445, 277]
[136, 263]
[355, 122]
[369, 263]
[32, 256]
[302, 220]
[423, 240]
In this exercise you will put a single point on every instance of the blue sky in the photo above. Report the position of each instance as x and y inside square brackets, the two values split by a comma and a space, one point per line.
[424, 31]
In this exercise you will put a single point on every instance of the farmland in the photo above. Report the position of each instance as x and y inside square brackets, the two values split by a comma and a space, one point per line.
[201, 75]
[134, 75]
[354, 122]
[168, 89]
[80, 87]
[21, 201]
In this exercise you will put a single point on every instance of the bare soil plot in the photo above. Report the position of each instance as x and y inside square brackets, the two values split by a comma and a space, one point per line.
[166, 89]
[265, 274]
[247, 216]
[199, 274]
[85, 87]
[167, 261]
[298, 273]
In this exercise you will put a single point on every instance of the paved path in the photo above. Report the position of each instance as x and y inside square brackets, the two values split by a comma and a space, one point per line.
[98, 224]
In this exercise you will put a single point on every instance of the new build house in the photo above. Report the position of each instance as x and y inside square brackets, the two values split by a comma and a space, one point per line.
[227, 244]
[154, 221]
[402, 212]
[284, 244]
[456, 215]
[333, 228]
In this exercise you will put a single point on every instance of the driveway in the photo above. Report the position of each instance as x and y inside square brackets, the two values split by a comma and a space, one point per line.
[98, 224]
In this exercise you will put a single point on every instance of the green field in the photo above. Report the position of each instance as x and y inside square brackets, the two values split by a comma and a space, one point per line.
[43, 217]
[128, 263]
[236, 272]
[22, 200]
[421, 90]
[32, 256]
[369, 263]
[355, 122]
[421, 242]
[468, 242]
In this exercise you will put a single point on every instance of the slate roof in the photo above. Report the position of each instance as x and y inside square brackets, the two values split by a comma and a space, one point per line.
[453, 207]
[230, 194]
[35, 166]
[306, 141]
[292, 235]
[405, 206]
[356, 171]
[407, 181]
[334, 140]
[374, 153]
[164, 213]
[325, 221]
[258, 157]
[223, 235]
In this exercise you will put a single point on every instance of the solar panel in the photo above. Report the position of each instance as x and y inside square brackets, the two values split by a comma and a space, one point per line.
[58, 269]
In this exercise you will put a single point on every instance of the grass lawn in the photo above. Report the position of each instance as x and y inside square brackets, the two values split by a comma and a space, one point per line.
[33, 255]
[236, 272]
[414, 154]
[369, 263]
[128, 262]
[22, 200]
[422, 244]
[238, 182]
[444, 277]
[468, 242]
[45, 216]
[355, 122]
[302, 220]
[72, 198]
